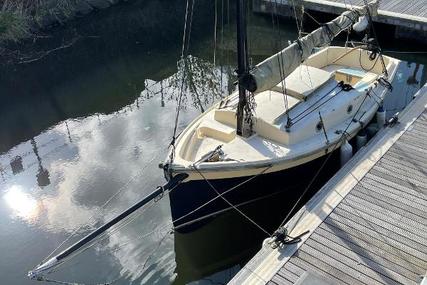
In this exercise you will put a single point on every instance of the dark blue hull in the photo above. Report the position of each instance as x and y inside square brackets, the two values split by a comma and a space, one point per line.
[187, 199]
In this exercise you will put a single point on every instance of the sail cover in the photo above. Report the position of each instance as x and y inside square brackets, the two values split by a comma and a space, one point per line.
[276, 68]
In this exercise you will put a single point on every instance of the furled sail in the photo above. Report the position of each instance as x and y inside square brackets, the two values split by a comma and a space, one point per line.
[276, 68]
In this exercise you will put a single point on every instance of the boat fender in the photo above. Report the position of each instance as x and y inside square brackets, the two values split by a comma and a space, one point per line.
[380, 116]
[346, 152]
[371, 130]
[361, 139]
[362, 124]
[361, 24]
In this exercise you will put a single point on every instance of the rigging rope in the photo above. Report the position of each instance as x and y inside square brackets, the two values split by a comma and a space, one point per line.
[320, 105]
[172, 228]
[215, 30]
[97, 240]
[337, 143]
[221, 63]
[373, 65]
[296, 18]
[106, 203]
[224, 193]
[280, 59]
[377, 47]
[74, 283]
[102, 237]
[131, 218]
[229, 203]
[298, 118]
[185, 47]
[344, 134]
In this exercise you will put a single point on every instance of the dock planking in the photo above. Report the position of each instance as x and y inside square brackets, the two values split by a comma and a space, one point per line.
[368, 224]
[407, 16]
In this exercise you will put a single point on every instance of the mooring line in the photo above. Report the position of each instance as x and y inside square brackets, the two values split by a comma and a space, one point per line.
[229, 203]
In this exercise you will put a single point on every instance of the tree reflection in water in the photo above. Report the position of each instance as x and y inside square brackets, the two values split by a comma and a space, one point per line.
[200, 82]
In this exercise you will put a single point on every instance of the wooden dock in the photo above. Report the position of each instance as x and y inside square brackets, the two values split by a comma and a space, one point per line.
[368, 224]
[408, 16]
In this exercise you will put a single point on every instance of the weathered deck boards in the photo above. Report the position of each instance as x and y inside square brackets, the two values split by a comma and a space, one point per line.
[406, 14]
[368, 224]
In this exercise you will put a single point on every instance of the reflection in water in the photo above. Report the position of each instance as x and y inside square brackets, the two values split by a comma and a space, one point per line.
[225, 243]
[42, 174]
[76, 176]
[16, 165]
[200, 82]
[68, 131]
[101, 72]
[21, 203]
[412, 80]
[57, 172]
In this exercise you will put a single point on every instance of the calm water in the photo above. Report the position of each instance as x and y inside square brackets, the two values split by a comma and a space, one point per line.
[82, 122]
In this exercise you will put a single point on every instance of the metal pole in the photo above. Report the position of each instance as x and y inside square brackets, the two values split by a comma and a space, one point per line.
[242, 59]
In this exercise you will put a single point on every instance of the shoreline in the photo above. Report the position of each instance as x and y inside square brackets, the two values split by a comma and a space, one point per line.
[23, 19]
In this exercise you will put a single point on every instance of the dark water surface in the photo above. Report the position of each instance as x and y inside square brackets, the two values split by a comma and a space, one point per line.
[84, 121]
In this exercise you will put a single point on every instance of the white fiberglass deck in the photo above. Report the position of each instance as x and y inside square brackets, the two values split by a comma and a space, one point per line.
[218, 127]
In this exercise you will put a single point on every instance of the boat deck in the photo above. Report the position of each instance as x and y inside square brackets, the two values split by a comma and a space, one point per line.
[368, 224]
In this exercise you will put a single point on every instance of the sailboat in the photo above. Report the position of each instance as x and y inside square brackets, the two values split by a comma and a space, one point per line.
[289, 111]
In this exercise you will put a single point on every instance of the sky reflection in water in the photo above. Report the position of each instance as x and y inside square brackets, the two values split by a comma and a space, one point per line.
[57, 181]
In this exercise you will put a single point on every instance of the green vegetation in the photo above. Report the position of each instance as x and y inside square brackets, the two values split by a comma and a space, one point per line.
[14, 22]
[20, 18]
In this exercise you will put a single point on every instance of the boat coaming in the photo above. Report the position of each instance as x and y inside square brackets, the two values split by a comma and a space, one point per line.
[299, 152]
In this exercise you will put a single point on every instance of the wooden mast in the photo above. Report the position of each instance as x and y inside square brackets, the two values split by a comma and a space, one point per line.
[242, 59]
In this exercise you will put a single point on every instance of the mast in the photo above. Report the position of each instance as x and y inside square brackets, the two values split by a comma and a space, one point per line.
[242, 59]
